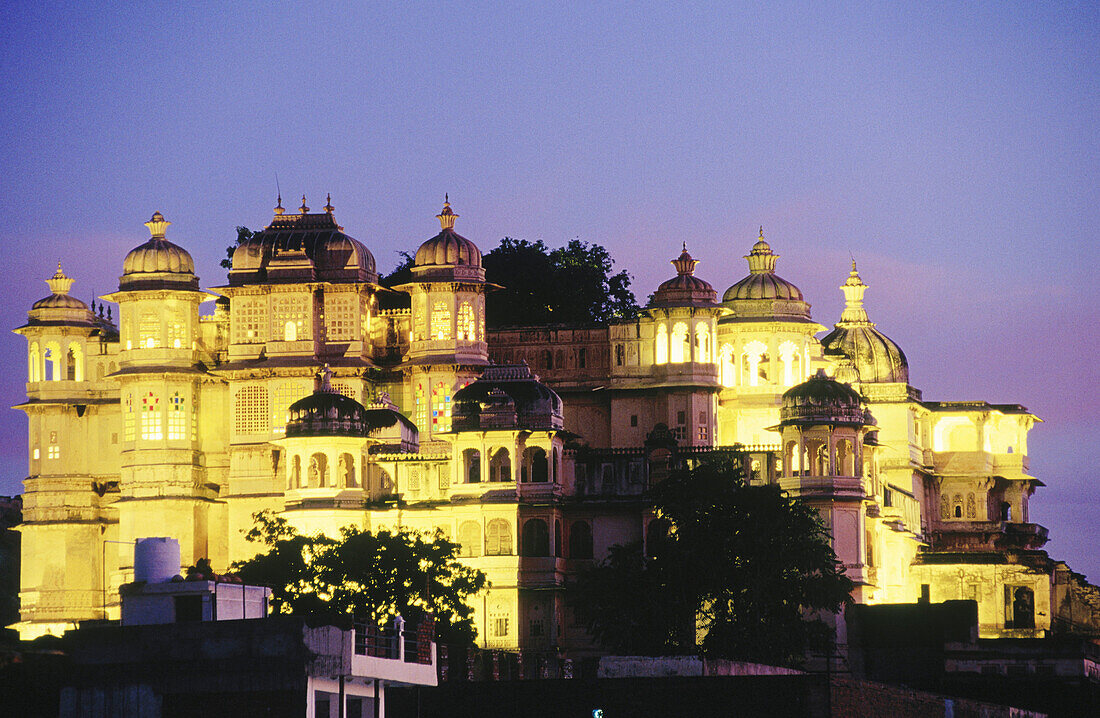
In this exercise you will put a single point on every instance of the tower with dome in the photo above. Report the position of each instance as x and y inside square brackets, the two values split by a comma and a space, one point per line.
[310, 390]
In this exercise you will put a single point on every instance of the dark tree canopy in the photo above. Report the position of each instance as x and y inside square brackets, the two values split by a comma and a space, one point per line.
[568, 285]
[743, 567]
[374, 576]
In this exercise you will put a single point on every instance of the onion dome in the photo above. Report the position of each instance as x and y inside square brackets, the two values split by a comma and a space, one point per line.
[158, 264]
[822, 400]
[506, 397]
[873, 356]
[448, 253]
[302, 247]
[763, 294]
[685, 289]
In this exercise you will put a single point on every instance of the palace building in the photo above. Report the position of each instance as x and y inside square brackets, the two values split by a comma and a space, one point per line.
[311, 390]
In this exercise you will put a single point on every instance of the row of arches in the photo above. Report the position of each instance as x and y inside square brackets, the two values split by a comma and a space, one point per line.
[50, 363]
[817, 457]
[465, 328]
[754, 365]
[682, 344]
[536, 466]
[534, 539]
[317, 473]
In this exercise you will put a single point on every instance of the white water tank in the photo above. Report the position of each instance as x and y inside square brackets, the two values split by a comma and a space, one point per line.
[156, 559]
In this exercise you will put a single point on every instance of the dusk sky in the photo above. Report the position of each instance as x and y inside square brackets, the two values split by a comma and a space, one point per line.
[953, 149]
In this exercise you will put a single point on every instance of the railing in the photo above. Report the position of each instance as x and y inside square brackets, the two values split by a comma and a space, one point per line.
[396, 641]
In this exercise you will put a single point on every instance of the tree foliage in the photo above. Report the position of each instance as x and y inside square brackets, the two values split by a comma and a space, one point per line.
[374, 576]
[571, 284]
[746, 568]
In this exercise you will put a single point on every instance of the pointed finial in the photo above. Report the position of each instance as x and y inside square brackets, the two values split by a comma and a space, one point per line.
[304, 208]
[853, 289]
[447, 198]
[684, 263]
[279, 204]
[685, 246]
[447, 217]
[157, 225]
[761, 231]
[59, 283]
[328, 204]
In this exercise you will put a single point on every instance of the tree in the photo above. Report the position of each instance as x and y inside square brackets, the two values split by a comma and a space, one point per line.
[374, 576]
[570, 284]
[747, 568]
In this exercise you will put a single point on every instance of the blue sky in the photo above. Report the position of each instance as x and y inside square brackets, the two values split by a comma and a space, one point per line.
[951, 148]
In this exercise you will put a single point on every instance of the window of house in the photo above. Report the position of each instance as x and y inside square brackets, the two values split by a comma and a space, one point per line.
[53, 452]
[441, 321]
[341, 321]
[128, 418]
[36, 453]
[177, 417]
[249, 317]
[660, 345]
[582, 358]
[620, 355]
[535, 627]
[633, 419]
[441, 407]
[1019, 607]
[536, 538]
[498, 538]
[500, 626]
[469, 539]
[152, 423]
[679, 349]
[176, 333]
[702, 433]
[681, 417]
[250, 410]
[467, 324]
[282, 397]
[149, 331]
[290, 317]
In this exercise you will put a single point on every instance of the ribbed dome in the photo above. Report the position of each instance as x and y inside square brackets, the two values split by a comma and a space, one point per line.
[507, 390]
[327, 413]
[448, 247]
[763, 294]
[872, 354]
[59, 285]
[822, 400]
[154, 263]
[299, 248]
[685, 289]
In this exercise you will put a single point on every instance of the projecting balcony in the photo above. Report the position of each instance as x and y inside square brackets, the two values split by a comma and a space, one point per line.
[962, 462]
[687, 373]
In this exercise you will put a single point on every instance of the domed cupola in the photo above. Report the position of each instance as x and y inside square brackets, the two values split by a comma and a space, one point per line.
[59, 298]
[507, 394]
[158, 264]
[685, 289]
[448, 254]
[763, 294]
[302, 247]
[823, 400]
[856, 342]
[326, 412]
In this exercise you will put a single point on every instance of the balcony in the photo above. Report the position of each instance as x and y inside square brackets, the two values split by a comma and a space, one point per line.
[396, 652]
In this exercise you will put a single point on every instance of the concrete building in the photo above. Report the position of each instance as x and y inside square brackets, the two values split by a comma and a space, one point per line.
[311, 390]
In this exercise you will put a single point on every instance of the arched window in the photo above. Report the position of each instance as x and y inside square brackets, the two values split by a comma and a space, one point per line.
[536, 538]
[295, 479]
[957, 503]
[318, 471]
[1019, 607]
[176, 326]
[250, 410]
[788, 354]
[498, 538]
[177, 417]
[580, 540]
[469, 538]
[471, 465]
[74, 363]
[752, 360]
[660, 345]
[34, 363]
[420, 408]
[152, 423]
[347, 471]
[792, 460]
[441, 321]
[702, 343]
[845, 459]
[500, 467]
[52, 362]
[534, 465]
[728, 371]
[467, 324]
[290, 331]
[679, 349]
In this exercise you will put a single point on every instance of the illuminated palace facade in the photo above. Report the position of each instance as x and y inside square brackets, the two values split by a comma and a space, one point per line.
[313, 391]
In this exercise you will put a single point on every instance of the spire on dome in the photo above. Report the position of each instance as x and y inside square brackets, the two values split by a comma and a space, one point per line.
[304, 208]
[684, 264]
[328, 204]
[853, 289]
[447, 217]
[157, 225]
[761, 258]
[279, 205]
[59, 283]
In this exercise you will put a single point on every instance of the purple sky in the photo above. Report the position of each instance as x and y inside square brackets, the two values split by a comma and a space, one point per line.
[953, 151]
